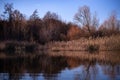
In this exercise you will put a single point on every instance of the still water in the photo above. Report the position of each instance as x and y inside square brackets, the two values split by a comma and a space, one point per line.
[52, 67]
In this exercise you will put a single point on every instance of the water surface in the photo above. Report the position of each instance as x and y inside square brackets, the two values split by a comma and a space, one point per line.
[52, 67]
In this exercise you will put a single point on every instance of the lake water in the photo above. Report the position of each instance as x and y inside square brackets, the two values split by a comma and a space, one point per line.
[52, 67]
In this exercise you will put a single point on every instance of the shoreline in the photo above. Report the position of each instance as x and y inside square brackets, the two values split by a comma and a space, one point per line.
[107, 56]
[111, 43]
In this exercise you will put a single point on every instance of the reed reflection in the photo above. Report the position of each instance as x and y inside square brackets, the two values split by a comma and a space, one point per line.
[51, 67]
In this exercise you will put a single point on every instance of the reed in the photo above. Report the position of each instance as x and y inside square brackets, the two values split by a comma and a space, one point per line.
[111, 43]
[83, 44]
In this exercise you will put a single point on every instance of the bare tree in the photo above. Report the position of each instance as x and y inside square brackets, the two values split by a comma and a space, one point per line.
[0, 18]
[34, 16]
[17, 16]
[85, 19]
[35, 24]
[118, 25]
[112, 24]
[19, 24]
[50, 15]
[9, 10]
[95, 21]
[8, 13]
[83, 16]
[112, 21]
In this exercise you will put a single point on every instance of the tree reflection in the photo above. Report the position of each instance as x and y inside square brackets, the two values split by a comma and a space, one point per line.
[111, 70]
[51, 66]
[89, 70]
[42, 64]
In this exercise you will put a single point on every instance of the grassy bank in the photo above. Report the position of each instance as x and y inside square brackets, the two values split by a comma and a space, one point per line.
[98, 44]
[111, 43]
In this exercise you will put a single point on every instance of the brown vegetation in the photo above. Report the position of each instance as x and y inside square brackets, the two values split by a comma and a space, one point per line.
[105, 56]
[83, 44]
[15, 27]
[74, 32]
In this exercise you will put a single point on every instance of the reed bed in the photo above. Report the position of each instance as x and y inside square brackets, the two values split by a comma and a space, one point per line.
[111, 43]
[83, 44]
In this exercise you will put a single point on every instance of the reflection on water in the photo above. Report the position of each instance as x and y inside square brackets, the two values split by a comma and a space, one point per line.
[46, 67]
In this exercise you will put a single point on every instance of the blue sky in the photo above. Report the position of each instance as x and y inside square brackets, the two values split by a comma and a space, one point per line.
[65, 8]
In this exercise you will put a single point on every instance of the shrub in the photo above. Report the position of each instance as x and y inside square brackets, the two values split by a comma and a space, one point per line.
[93, 47]
[30, 48]
[10, 47]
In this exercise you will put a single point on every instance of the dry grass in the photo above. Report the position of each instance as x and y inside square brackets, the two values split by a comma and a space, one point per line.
[111, 43]
[103, 44]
